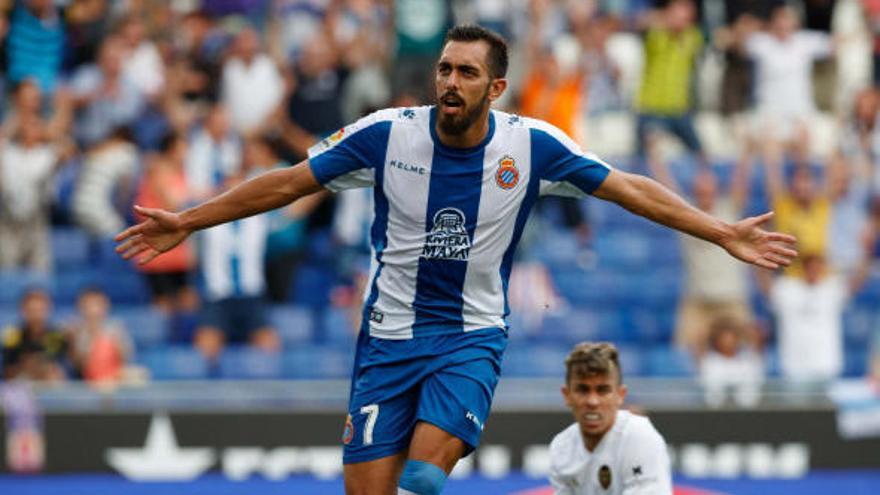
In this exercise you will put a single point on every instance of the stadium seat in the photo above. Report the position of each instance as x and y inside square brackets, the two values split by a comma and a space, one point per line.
[534, 361]
[147, 326]
[665, 361]
[335, 328]
[294, 323]
[175, 363]
[855, 362]
[317, 362]
[14, 283]
[246, 363]
[70, 248]
[858, 325]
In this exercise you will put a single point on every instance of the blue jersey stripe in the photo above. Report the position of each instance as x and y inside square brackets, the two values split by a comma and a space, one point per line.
[553, 161]
[450, 222]
[379, 229]
[365, 148]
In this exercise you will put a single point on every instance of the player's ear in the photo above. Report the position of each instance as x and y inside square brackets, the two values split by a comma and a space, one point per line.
[566, 393]
[496, 88]
[622, 391]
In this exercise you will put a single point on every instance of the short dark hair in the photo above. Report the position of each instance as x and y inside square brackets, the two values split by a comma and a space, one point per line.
[592, 358]
[497, 46]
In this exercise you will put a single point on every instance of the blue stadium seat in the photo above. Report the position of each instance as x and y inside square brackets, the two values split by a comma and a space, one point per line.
[666, 361]
[534, 361]
[175, 363]
[859, 323]
[70, 248]
[317, 362]
[632, 360]
[147, 326]
[335, 328]
[14, 283]
[294, 323]
[855, 362]
[246, 363]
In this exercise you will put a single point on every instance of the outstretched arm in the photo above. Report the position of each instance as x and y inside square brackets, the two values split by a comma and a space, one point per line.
[162, 230]
[745, 240]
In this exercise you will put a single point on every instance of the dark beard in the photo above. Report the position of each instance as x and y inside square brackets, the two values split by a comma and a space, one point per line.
[457, 125]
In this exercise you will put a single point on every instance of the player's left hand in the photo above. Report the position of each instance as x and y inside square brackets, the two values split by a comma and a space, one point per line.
[752, 244]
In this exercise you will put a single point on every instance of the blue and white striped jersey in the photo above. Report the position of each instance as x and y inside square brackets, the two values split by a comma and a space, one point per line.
[447, 220]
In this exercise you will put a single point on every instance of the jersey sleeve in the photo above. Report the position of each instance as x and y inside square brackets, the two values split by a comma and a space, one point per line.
[645, 465]
[564, 169]
[348, 158]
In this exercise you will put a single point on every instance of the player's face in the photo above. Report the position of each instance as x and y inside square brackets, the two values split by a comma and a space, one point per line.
[464, 85]
[594, 401]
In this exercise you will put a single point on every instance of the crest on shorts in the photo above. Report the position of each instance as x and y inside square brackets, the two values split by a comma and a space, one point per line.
[348, 432]
[507, 175]
[605, 476]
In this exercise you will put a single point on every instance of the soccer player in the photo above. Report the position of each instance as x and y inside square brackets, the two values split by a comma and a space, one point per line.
[453, 185]
[606, 450]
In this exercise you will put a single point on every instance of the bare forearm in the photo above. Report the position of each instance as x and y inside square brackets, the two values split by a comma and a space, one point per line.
[650, 199]
[265, 192]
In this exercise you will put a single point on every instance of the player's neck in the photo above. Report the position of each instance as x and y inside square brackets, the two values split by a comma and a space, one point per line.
[471, 137]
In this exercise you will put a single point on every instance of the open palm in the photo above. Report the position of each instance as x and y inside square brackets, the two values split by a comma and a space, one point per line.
[159, 232]
[752, 244]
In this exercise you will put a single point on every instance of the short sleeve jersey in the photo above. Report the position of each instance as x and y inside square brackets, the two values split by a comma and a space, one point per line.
[447, 220]
[631, 459]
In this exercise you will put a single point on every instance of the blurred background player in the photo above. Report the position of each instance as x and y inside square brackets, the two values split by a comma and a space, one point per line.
[606, 450]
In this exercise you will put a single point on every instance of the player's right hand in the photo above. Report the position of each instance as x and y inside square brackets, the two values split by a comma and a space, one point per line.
[159, 232]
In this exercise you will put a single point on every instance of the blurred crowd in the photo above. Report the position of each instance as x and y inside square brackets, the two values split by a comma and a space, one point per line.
[160, 103]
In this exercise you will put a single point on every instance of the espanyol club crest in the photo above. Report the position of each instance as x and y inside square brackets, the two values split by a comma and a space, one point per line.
[507, 176]
[348, 432]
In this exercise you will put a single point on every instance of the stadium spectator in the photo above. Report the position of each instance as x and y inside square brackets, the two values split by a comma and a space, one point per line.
[231, 258]
[287, 229]
[213, 154]
[849, 189]
[419, 26]
[362, 29]
[104, 96]
[34, 349]
[803, 209]
[601, 72]
[672, 46]
[872, 18]
[314, 109]
[142, 63]
[100, 346]
[251, 87]
[27, 102]
[88, 22]
[859, 140]
[164, 185]
[784, 57]
[553, 93]
[716, 286]
[732, 366]
[606, 446]
[27, 163]
[106, 184]
[35, 43]
[292, 23]
[809, 319]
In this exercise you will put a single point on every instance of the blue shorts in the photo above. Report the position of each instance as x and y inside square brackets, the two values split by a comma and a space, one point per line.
[446, 380]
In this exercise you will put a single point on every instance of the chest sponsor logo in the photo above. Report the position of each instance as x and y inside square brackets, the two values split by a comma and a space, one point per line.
[605, 477]
[448, 238]
[507, 175]
[408, 167]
